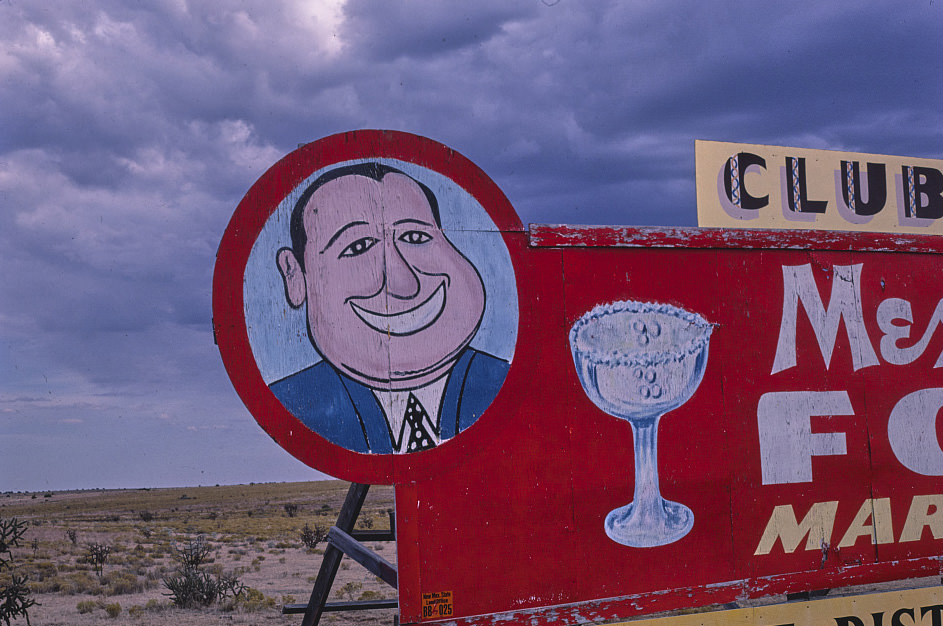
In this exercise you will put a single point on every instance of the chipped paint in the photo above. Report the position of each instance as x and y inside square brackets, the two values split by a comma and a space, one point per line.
[563, 236]
[564, 472]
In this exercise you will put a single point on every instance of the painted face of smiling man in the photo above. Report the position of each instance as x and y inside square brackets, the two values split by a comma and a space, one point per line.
[391, 303]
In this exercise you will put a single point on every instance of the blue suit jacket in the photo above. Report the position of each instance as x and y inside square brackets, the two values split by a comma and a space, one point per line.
[347, 413]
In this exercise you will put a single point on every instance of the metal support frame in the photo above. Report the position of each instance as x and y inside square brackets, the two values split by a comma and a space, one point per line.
[343, 539]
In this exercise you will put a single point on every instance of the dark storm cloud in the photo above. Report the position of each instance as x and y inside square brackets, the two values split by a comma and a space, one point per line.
[129, 133]
[389, 30]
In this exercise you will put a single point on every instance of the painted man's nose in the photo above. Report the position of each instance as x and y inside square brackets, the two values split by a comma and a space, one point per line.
[401, 279]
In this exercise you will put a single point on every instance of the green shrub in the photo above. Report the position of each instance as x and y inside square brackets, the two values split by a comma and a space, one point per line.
[251, 600]
[113, 610]
[350, 589]
[78, 582]
[121, 583]
[86, 606]
[215, 569]
[369, 594]
[47, 585]
[43, 570]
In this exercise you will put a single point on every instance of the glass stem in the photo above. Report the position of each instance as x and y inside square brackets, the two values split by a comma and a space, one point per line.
[647, 499]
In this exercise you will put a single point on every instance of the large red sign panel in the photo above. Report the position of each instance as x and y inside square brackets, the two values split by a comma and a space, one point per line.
[808, 457]
[612, 422]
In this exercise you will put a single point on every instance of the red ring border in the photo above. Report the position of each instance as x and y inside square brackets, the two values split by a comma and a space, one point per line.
[229, 324]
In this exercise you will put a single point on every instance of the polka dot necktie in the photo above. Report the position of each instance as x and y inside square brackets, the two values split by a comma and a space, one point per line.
[419, 437]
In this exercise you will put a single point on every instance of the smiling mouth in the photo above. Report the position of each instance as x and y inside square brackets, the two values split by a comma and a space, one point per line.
[406, 322]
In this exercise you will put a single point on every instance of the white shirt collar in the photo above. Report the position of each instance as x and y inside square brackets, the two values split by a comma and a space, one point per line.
[393, 404]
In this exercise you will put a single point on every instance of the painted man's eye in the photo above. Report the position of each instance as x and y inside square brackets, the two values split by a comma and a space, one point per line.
[415, 236]
[358, 247]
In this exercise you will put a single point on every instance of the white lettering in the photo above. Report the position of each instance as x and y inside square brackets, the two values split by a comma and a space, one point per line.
[844, 303]
[897, 309]
[787, 443]
[911, 431]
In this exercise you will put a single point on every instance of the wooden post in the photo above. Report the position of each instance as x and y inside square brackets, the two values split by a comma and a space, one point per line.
[343, 539]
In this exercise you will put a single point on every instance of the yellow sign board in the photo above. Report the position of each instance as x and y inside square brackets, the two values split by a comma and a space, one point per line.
[754, 186]
[912, 607]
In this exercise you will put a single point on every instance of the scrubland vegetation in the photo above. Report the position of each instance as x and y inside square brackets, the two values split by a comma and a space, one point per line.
[204, 555]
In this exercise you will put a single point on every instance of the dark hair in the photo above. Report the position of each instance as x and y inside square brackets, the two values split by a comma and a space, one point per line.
[372, 170]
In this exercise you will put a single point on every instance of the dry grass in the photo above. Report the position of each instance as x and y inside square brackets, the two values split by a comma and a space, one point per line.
[247, 527]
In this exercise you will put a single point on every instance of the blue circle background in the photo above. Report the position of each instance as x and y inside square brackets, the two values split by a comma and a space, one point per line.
[278, 333]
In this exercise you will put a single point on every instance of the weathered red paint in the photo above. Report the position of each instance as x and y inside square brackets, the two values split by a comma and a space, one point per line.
[524, 517]
[560, 235]
[508, 517]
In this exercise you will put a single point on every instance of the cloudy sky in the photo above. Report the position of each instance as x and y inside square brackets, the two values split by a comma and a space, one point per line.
[130, 131]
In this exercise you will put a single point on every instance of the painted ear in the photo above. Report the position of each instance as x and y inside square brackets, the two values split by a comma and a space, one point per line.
[293, 276]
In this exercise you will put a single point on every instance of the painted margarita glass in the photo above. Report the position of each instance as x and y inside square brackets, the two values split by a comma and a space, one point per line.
[637, 361]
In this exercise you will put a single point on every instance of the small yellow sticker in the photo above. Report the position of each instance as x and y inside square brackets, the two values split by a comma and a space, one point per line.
[436, 605]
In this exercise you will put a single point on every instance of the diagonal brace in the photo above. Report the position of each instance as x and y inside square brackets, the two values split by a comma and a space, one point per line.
[374, 563]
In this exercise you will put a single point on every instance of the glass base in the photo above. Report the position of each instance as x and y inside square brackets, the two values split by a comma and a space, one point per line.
[660, 524]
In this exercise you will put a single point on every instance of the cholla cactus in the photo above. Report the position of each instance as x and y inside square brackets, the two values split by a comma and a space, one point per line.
[311, 537]
[15, 598]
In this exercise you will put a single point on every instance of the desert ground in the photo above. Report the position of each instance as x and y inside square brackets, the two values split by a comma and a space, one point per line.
[252, 534]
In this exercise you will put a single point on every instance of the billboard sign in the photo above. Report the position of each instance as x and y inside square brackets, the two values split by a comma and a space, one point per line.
[755, 186]
[365, 301]
[647, 420]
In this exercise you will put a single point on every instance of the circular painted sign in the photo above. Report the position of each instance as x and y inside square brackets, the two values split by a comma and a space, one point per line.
[365, 304]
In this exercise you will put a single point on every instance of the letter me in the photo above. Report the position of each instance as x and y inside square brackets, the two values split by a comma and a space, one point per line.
[844, 302]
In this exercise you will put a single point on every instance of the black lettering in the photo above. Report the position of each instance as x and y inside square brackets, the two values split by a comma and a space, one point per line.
[848, 620]
[899, 613]
[927, 182]
[877, 619]
[877, 188]
[797, 193]
[747, 201]
[935, 611]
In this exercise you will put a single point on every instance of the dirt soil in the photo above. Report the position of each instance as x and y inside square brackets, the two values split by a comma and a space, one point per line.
[252, 533]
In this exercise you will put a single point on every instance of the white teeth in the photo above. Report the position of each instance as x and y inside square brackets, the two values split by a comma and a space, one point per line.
[406, 322]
